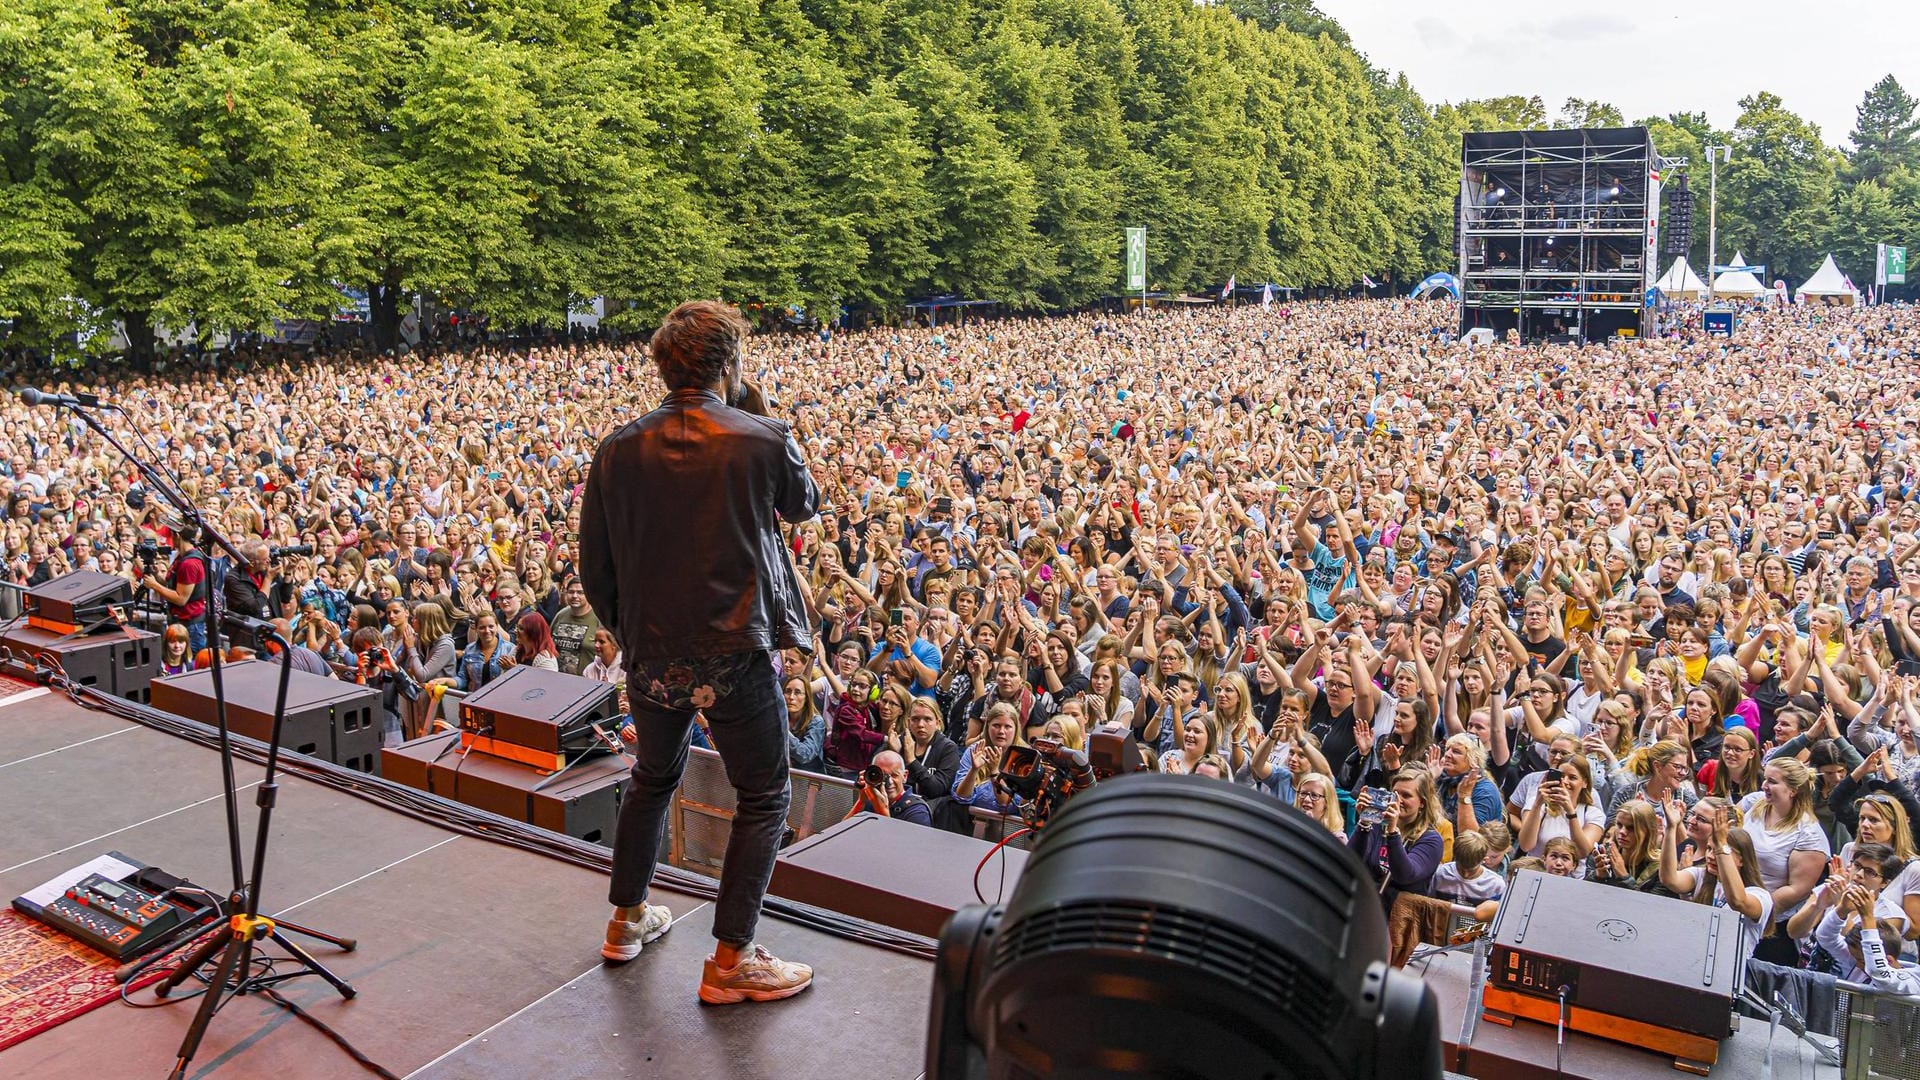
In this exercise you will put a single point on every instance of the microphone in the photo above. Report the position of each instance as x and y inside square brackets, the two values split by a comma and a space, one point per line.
[74, 401]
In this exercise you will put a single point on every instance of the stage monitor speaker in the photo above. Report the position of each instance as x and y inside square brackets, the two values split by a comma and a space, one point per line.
[76, 600]
[582, 803]
[121, 662]
[326, 718]
[1651, 970]
[544, 711]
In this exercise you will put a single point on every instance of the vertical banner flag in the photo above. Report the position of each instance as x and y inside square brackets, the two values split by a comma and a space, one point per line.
[1890, 265]
[1226, 291]
[1137, 258]
[1266, 295]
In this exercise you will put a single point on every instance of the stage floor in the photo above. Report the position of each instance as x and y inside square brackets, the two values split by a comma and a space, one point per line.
[475, 960]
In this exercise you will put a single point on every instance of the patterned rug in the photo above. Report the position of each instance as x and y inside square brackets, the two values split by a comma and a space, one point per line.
[47, 978]
[10, 686]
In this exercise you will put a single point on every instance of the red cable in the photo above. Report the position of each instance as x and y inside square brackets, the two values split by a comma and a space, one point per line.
[1004, 841]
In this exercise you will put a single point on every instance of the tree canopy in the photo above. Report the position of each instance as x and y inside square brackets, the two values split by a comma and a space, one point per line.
[222, 164]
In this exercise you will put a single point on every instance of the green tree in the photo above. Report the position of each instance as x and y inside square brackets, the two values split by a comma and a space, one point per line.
[1777, 192]
[1510, 113]
[1884, 131]
[1299, 16]
[1864, 216]
[1581, 113]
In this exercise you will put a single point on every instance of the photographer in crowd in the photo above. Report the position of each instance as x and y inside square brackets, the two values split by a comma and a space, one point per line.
[884, 790]
[185, 587]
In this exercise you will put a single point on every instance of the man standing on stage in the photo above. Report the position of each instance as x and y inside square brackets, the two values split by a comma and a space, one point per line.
[682, 559]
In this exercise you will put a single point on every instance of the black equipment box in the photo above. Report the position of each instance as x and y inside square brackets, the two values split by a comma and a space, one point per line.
[77, 599]
[542, 710]
[582, 802]
[1655, 960]
[326, 718]
[120, 661]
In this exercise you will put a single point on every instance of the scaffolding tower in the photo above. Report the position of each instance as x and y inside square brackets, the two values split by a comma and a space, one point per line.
[1558, 232]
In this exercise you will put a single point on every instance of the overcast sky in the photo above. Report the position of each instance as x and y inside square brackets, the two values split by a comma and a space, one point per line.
[1819, 57]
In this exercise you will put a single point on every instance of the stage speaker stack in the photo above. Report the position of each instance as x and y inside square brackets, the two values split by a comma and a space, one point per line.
[1646, 970]
[1679, 223]
[541, 718]
[535, 746]
[74, 622]
[330, 719]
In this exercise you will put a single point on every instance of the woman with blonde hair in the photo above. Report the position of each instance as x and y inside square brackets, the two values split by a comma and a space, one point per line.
[1884, 819]
[1791, 846]
[1315, 796]
[1233, 718]
[1661, 772]
[1608, 741]
[1404, 848]
[1068, 726]
[1664, 690]
[1629, 857]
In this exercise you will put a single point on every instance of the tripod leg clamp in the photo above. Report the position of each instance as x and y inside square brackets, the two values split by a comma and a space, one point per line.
[250, 927]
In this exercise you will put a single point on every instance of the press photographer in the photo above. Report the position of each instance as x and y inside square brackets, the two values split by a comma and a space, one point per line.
[248, 590]
[185, 587]
[884, 791]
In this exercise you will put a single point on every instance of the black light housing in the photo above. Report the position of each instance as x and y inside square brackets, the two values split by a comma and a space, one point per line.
[1176, 926]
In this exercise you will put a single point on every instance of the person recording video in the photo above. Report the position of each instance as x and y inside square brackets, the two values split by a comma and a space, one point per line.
[185, 586]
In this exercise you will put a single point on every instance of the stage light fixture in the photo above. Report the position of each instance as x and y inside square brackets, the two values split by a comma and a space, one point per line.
[1180, 926]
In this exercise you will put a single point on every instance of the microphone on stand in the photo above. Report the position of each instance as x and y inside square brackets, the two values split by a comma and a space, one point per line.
[73, 401]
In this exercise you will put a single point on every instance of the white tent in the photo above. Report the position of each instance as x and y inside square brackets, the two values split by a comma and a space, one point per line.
[1828, 282]
[1738, 282]
[1680, 280]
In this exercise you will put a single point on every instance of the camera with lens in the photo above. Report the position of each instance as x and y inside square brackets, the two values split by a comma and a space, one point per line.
[1042, 776]
[874, 778]
[281, 551]
[146, 553]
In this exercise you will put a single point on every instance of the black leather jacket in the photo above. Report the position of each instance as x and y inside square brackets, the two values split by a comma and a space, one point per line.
[680, 553]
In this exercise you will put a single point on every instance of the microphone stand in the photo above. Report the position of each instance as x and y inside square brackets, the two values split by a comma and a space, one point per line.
[235, 940]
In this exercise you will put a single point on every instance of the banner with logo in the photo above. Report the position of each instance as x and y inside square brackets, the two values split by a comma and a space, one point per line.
[1890, 265]
[1137, 258]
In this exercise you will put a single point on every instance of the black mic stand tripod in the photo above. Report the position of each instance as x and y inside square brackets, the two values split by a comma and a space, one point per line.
[235, 939]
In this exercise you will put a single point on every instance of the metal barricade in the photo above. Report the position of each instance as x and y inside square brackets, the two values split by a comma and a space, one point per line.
[1879, 1034]
[994, 828]
[450, 706]
[702, 813]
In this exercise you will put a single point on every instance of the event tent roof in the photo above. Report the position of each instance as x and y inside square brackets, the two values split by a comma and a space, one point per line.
[1828, 281]
[1738, 282]
[1680, 280]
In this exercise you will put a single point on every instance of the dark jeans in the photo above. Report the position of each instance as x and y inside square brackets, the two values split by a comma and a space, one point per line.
[747, 721]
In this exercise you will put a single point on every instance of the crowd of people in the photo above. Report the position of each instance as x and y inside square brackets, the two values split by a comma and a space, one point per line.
[1645, 613]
